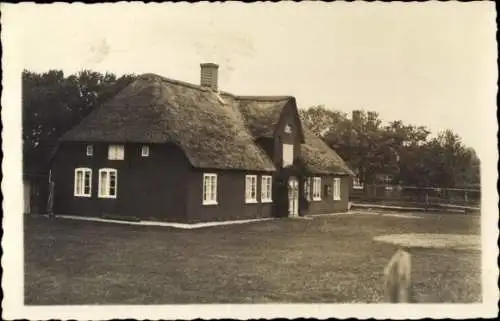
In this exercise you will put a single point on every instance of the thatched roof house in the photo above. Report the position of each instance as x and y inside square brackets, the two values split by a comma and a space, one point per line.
[213, 130]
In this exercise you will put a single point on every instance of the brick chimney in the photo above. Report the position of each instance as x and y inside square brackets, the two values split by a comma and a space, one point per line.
[209, 75]
[356, 116]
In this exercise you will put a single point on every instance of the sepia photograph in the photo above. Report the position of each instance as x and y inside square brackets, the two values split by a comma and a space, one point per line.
[249, 160]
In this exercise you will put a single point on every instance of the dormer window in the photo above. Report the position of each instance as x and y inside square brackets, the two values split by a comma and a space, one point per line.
[145, 151]
[90, 150]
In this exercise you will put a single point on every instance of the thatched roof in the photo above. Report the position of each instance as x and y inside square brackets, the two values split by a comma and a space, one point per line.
[262, 114]
[154, 109]
[215, 130]
[321, 159]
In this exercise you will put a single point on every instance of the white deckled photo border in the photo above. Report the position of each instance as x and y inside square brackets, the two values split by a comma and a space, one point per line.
[13, 306]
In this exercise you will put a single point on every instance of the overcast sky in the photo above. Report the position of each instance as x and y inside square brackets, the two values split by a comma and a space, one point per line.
[431, 64]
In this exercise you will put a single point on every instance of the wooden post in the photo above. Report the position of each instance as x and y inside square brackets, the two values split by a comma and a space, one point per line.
[398, 278]
[50, 199]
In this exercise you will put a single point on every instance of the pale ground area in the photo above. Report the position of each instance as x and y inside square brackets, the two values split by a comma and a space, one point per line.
[427, 240]
[209, 224]
[403, 215]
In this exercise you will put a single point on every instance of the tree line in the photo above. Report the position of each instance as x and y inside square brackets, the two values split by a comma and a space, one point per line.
[403, 152]
[53, 103]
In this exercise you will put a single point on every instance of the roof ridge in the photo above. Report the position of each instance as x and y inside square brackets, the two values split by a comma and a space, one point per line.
[264, 98]
[147, 76]
[221, 92]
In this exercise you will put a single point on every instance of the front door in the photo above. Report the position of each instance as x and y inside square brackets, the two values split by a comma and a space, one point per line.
[293, 197]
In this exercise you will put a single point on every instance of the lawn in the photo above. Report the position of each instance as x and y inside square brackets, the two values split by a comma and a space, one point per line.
[328, 259]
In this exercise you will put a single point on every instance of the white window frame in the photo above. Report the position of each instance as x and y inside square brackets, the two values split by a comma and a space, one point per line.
[316, 192]
[79, 191]
[106, 193]
[89, 150]
[266, 189]
[337, 183]
[116, 152]
[251, 188]
[356, 183]
[209, 193]
[286, 161]
[145, 150]
[307, 188]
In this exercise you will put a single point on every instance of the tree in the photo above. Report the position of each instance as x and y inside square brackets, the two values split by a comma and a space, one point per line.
[321, 120]
[450, 159]
[407, 142]
[360, 141]
[402, 151]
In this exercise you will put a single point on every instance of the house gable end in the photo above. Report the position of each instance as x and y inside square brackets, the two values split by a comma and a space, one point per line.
[290, 119]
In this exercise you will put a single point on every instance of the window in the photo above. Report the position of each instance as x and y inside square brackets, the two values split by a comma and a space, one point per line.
[307, 188]
[116, 152]
[251, 189]
[336, 189]
[108, 183]
[266, 189]
[317, 189]
[357, 183]
[209, 189]
[145, 150]
[90, 150]
[83, 182]
[287, 155]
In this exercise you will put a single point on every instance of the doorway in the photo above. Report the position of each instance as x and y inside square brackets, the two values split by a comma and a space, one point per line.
[293, 197]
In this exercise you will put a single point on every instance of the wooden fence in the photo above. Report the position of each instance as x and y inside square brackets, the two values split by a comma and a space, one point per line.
[410, 194]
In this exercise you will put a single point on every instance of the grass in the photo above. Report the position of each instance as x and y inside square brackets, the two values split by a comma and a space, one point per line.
[327, 259]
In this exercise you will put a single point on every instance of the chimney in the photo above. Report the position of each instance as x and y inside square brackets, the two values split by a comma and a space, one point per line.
[209, 75]
[356, 116]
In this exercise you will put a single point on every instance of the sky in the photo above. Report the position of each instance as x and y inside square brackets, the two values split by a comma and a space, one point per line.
[430, 64]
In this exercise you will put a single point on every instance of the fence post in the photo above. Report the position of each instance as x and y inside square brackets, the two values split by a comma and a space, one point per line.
[398, 278]
[50, 200]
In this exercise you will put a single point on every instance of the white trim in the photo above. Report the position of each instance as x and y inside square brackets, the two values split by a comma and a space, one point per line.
[209, 197]
[167, 224]
[106, 186]
[145, 150]
[81, 193]
[89, 150]
[266, 189]
[248, 189]
[337, 183]
[316, 190]
[116, 152]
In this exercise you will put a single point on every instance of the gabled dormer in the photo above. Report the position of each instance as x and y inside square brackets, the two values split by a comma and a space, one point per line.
[288, 136]
[275, 124]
